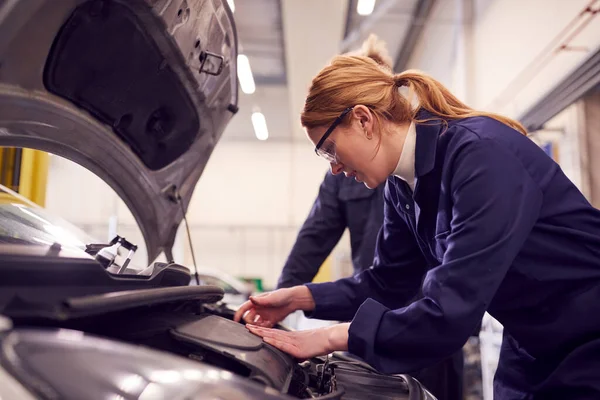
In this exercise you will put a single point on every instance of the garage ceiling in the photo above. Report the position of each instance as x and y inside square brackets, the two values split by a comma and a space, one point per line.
[260, 36]
[392, 21]
[289, 41]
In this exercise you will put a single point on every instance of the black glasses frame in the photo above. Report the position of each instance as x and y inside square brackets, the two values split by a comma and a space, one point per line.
[335, 123]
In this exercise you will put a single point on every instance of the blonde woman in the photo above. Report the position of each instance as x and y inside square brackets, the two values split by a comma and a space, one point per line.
[477, 218]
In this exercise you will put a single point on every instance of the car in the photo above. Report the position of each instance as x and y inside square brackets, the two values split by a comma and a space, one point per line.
[138, 92]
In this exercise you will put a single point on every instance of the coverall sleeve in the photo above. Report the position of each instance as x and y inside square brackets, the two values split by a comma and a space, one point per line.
[394, 279]
[319, 234]
[495, 205]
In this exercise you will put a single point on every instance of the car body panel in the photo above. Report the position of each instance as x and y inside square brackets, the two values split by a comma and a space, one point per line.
[178, 33]
[141, 373]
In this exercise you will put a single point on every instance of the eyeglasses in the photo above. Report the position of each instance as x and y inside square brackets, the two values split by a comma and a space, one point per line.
[327, 150]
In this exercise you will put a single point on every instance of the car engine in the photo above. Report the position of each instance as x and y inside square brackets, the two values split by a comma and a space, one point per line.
[207, 334]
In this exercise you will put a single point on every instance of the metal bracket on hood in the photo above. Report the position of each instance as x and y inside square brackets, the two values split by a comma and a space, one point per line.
[211, 63]
[172, 193]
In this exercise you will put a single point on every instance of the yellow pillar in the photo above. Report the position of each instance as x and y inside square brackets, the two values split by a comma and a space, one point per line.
[555, 152]
[7, 164]
[34, 175]
[324, 274]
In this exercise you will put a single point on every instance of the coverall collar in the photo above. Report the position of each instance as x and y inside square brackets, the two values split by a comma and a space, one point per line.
[427, 137]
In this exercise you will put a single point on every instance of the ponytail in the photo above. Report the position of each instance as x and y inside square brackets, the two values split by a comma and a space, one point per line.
[435, 98]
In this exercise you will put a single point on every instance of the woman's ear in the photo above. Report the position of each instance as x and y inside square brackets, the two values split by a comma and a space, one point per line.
[365, 119]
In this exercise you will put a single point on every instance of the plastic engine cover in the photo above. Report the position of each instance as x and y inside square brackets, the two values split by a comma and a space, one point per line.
[232, 340]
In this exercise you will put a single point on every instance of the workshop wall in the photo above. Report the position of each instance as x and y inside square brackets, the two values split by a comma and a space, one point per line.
[499, 55]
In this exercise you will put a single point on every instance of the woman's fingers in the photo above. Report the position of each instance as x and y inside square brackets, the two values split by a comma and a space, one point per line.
[263, 300]
[250, 316]
[286, 347]
[274, 334]
[266, 306]
[300, 344]
[237, 317]
[280, 339]
[255, 316]
[277, 298]
[259, 317]
[264, 322]
[255, 329]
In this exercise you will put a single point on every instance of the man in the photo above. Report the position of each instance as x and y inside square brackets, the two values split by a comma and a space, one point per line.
[344, 203]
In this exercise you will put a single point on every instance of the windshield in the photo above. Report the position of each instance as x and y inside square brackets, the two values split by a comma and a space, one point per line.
[24, 222]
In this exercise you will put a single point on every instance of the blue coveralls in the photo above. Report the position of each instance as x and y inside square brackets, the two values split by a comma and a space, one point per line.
[493, 225]
[342, 202]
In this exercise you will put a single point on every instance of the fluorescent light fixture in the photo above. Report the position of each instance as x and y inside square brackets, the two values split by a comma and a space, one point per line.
[260, 126]
[245, 74]
[365, 7]
[231, 5]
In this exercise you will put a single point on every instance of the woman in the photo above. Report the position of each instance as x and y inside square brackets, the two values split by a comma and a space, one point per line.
[476, 216]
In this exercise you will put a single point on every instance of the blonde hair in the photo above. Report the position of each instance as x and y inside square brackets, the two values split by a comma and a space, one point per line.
[365, 77]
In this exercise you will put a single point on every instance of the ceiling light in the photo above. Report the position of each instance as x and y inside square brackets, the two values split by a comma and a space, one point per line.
[245, 74]
[231, 5]
[260, 126]
[365, 7]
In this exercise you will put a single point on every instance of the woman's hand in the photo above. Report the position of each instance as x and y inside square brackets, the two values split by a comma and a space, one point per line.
[306, 344]
[268, 309]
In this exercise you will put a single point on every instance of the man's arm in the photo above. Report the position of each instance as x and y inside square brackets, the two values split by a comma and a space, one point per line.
[318, 236]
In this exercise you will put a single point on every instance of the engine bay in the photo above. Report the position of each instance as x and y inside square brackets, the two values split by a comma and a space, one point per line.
[158, 310]
[206, 333]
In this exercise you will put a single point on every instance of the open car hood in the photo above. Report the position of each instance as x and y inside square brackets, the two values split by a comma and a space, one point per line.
[137, 91]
